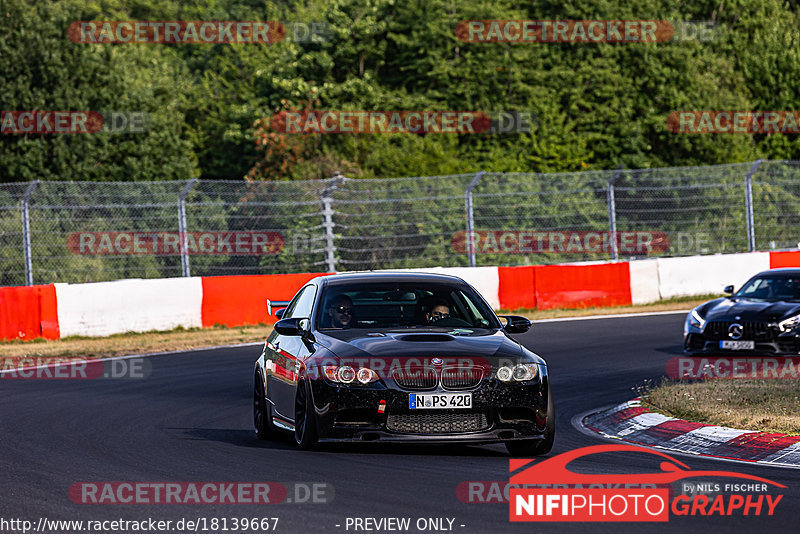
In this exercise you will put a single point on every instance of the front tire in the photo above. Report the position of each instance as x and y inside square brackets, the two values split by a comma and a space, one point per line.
[305, 420]
[539, 446]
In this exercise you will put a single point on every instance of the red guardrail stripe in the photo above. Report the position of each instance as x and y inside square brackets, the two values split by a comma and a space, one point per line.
[28, 312]
[48, 312]
[242, 300]
[517, 287]
[582, 286]
[784, 259]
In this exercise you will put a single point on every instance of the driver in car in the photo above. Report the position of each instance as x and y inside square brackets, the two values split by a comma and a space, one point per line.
[340, 311]
[438, 311]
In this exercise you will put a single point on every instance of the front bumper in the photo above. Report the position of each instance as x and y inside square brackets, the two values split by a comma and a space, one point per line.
[505, 411]
[481, 438]
[786, 345]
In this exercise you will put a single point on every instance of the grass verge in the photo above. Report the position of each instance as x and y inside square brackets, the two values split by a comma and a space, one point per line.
[184, 339]
[768, 405]
[134, 343]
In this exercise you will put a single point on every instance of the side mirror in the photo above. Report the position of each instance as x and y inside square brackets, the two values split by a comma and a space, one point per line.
[728, 290]
[293, 326]
[516, 324]
[279, 313]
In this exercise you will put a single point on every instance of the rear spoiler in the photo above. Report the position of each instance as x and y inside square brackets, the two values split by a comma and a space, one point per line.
[277, 304]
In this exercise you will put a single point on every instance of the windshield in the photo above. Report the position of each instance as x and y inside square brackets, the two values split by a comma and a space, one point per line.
[786, 287]
[403, 305]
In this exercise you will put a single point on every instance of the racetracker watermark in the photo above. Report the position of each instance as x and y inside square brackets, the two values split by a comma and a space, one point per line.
[563, 242]
[527, 242]
[30, 368]
[408, 122]
[73, 122]
[499, 491]
[251, 243]
[149, 524]
[370, 369]
[591, 504]
[213, 493]
[585, 31]
[308, 32]
[734, 368]
[734, 122]
[177, 31]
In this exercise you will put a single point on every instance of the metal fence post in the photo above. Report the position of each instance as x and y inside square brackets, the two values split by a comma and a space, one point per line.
[748, 204]
[182, 226]
[327, 221]
[471, 218]
[26, 232]
[612, 211]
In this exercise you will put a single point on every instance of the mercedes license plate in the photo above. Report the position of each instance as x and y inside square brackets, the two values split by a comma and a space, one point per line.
[737, 345]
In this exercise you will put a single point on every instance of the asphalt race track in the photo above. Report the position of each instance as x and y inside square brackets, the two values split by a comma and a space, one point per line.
[190, 420]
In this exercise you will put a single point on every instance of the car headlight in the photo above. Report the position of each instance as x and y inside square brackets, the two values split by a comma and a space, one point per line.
[348, 375]
[696, 320]
[504, 374]
[366, 375]
[789, 324]
[520, 372]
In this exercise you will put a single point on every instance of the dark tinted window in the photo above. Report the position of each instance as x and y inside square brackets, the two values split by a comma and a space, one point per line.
[403, 305]
[773, 287]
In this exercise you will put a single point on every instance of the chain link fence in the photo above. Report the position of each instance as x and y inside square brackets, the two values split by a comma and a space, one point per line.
[94, 231]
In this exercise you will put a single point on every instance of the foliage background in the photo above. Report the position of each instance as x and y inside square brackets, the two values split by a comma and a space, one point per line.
[597, 106]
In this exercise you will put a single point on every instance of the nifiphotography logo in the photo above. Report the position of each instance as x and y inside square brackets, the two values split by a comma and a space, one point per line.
[576, 497]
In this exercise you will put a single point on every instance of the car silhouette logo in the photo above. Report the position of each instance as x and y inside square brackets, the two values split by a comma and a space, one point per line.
[554, 470]
[735, 331]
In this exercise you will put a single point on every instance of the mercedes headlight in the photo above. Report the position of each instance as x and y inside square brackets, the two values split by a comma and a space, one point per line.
[696, 320]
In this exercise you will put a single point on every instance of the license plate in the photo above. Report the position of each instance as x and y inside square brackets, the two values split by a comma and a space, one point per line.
[433, 401]
[737, 345]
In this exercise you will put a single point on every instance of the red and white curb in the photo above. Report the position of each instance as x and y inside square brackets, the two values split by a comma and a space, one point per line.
[633, 423]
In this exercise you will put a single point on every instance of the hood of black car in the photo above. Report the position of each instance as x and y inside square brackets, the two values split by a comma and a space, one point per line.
[422, 345]
[736, 309]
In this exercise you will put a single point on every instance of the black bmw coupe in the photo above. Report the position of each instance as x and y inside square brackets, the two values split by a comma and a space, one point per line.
[374, 357]
[762, 317]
